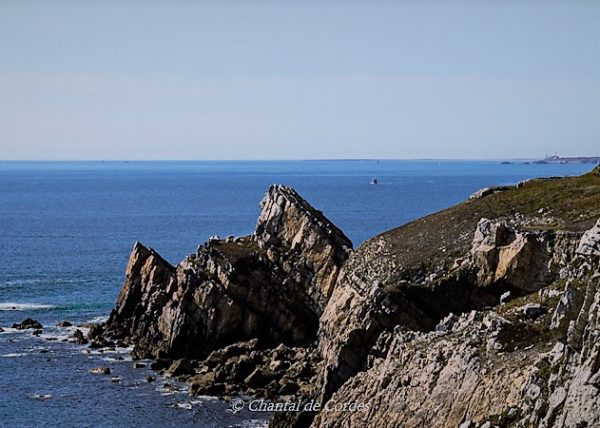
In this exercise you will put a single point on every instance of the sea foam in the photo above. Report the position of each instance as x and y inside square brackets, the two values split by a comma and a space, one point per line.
[11, 306]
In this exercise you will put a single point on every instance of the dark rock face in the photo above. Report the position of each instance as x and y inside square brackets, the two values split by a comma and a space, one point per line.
[271, 286]
[28, 323]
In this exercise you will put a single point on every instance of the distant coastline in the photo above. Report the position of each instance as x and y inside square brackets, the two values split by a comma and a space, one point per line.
[562, 160]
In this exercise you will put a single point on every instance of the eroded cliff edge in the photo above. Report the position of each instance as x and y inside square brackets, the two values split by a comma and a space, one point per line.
[483, 312]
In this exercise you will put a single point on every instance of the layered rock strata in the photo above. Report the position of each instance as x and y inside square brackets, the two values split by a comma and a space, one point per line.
[270, 286]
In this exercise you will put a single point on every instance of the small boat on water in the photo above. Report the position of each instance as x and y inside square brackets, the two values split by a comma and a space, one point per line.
[373, 181]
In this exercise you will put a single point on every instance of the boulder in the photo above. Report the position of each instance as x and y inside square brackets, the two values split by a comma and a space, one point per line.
[205, 384]
[79, 338]
[446, 324]
[288, 388]
[101, 343]
[502, 254]
[220, 356]
[242, 368]
[260, 378]
[64, 324]
[481, 193]
[181, 367]
[28, 323]
[161, 364]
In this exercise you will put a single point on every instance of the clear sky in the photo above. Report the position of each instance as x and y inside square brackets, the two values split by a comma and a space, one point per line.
[298, 79]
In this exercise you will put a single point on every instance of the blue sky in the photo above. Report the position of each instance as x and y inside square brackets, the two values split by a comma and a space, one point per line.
[298, 80]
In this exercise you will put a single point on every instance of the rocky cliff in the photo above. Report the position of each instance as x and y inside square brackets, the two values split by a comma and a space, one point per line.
[271, 285]
[476, 314]
[484, 314]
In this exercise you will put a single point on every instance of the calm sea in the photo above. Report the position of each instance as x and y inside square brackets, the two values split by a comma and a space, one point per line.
[66, 230]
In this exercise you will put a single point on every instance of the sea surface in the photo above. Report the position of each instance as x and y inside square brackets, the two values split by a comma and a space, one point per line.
[66, 230]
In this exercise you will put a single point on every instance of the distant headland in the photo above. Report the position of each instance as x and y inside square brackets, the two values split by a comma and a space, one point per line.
[562, 160]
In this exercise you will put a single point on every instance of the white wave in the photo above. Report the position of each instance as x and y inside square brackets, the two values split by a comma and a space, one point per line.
[255, 423]
[116, 360]
[186, 406]
[22, 282]
[12, 306]
[13, 355]
[55, 337]
[42, 396]
[98, 320]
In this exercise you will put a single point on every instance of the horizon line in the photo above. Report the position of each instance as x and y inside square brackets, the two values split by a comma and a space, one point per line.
[295, 160]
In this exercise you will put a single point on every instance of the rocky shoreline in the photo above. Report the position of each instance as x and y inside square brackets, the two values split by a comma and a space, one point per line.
[484, 314]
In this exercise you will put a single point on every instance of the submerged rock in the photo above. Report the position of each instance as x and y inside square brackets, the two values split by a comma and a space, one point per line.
[100, 371]
[79, 338]
[28, 323]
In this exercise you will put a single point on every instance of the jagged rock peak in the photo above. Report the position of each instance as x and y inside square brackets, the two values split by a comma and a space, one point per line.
[146, 272]
[140, 254]
[288, 222]
[286, 216]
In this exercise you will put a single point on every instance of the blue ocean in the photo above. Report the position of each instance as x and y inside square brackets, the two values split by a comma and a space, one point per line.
[66, 230]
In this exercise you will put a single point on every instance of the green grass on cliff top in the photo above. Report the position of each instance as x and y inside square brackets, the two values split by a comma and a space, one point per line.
[574, 202]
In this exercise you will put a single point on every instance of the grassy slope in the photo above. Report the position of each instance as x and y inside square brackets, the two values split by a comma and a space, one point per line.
[573, 201]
